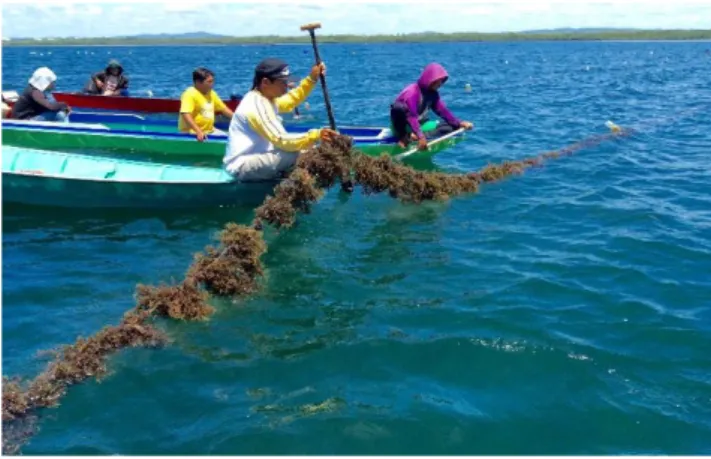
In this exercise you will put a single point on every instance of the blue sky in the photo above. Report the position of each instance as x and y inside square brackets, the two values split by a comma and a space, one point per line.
[82, 19]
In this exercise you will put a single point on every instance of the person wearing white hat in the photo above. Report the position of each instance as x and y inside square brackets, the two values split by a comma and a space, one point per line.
[34, 104]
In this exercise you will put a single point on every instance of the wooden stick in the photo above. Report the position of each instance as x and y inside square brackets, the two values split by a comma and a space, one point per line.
[311, 27]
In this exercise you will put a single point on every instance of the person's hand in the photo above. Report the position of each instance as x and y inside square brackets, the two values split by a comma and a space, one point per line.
[200, 136]
[422, 144]
[327, 135]
[466, 125]
[317, 70]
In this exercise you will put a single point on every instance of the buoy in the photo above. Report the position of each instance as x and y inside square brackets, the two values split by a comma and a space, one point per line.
[613, 127]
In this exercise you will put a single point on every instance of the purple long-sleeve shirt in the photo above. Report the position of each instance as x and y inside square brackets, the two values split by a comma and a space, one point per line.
[418, 98]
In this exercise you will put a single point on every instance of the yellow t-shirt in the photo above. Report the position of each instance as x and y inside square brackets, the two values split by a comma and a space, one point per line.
[202, 109]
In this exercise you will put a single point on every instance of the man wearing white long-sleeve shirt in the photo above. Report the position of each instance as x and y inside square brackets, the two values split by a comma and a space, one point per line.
[259, 148]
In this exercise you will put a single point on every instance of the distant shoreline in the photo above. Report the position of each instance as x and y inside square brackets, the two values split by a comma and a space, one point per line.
[635, 35]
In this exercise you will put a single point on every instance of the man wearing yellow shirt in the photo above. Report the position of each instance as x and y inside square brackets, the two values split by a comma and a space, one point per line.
[258, 147]
[198, 106]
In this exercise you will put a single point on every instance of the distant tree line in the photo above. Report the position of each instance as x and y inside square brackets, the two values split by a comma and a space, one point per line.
[426, 37]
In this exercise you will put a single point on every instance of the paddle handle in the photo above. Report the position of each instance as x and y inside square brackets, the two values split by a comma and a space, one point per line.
[331, 119]
[346, 182]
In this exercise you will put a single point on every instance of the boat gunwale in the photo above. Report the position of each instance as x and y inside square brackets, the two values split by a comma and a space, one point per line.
[133, 98]
[68, 128]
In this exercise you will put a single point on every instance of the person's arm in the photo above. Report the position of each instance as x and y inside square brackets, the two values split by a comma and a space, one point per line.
[98, 81]
[123, 83]
[296, 96]
[441, 109]
[264, 122]
[220, 107]
[293, 98]
[38, 96]
[193, 125]
[227, 112]
[411, 101]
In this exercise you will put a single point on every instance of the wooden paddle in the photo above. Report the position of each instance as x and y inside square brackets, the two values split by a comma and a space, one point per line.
[346, 182]
[310, 28]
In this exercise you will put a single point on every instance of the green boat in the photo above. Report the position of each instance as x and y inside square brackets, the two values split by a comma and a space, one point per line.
[133, 133]
[63, 179]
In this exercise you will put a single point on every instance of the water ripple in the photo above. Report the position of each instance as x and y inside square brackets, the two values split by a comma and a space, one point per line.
[570, 305]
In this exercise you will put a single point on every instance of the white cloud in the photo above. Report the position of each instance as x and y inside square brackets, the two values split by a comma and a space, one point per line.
[93, 10]
[182, 7]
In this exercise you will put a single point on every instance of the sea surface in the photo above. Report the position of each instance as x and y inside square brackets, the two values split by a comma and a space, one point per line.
[564, 311]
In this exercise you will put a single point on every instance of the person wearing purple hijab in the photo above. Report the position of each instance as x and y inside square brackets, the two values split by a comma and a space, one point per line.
[411, 106]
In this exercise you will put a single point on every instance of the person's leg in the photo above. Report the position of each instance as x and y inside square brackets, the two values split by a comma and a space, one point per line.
[45, 116]
[425, 124]
[398, 124]
[286, 164]
[262, 166]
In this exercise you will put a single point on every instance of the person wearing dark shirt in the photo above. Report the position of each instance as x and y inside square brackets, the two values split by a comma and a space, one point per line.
[109, 82]
[34, 103]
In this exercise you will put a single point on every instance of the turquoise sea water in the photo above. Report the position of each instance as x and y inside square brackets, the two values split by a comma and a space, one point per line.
[565, 311]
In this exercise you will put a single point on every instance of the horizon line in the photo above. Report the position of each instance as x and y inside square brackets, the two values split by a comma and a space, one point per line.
[601, 29]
